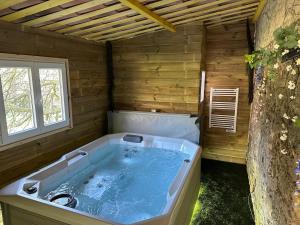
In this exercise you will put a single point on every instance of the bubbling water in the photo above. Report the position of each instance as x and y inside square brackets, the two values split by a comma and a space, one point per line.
[129, 186]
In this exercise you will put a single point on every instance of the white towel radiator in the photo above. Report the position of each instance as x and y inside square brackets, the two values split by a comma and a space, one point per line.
[223, 108]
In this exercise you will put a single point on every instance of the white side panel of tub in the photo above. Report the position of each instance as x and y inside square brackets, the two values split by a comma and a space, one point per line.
[159, 124]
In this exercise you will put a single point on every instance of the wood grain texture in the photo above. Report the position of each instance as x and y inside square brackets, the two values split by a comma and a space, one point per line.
[89, 99]
[186, 16]
[65, 12]
[104, 20]
[34, 9]
[111, 20]
[159, 71]
[7, 4]
[226, 47]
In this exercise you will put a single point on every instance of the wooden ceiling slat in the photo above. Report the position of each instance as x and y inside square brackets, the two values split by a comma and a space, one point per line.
[96, 34]
[234, 5]
[107, 36]
[159, 11]
[156, 29]
[117, 22]
[6, 4]
[184, 14]
[83, 16]
[206, 15]
[65, 12]
[228, 22]
[222, 19]
[131, 34]
[144, 11]
[106, 25]
[203, 6]
[33, 9]
[138, 17]
[90, 23]
[201, 17]
[110, 18]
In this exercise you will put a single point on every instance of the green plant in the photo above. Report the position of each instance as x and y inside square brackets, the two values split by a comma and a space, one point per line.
[297, 123]
[287, 37]
[286, 41]
[261, 57]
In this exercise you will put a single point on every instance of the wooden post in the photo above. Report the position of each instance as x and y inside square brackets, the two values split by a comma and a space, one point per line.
[110, 73]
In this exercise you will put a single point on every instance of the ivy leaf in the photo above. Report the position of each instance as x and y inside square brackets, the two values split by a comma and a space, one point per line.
[287, 37]
[250, 59]
[291, 41]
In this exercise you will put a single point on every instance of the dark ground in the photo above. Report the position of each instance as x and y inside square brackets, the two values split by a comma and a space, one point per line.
[223, 195]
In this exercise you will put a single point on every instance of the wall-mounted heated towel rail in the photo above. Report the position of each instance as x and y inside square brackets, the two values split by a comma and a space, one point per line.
[223, 108]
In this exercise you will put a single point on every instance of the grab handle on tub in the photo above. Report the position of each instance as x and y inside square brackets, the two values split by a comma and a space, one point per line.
[133, 138]
[75, 156]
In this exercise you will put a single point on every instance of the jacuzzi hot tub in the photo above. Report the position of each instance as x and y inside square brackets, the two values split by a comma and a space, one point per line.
[117, 179]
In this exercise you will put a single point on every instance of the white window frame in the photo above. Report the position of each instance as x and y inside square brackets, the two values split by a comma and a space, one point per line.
[36, 63]
[66, 120]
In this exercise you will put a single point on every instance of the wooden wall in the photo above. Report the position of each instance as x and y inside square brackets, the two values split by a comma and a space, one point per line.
[226, 68]
[89, 98]
[159, 71]
[155, 71]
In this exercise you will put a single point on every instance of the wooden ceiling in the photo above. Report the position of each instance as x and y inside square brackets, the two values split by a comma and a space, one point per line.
[103, 20]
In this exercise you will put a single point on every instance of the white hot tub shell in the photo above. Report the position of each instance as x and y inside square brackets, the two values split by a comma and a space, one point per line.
[21, 208]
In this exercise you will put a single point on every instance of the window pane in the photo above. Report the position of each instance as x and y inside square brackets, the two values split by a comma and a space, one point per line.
[51, 87]
[18, 100]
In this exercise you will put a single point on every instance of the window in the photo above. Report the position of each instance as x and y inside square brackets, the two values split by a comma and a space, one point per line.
[33, 97]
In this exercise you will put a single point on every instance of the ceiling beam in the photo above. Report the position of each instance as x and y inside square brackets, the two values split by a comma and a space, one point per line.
[259, 10]
[141, 9]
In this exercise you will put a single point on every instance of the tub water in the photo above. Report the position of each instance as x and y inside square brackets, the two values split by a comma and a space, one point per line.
[127, 184]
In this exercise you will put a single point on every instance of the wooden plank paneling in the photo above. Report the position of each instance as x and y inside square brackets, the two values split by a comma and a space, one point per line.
[226, 47]
[103, 20]
[34, 9]
[65, 12]
[7, 4]
[159, 71]
[113, 20]
[88, 83]
[187, 16]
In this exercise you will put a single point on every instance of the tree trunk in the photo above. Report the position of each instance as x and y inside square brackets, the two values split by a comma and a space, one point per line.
[271, 173]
